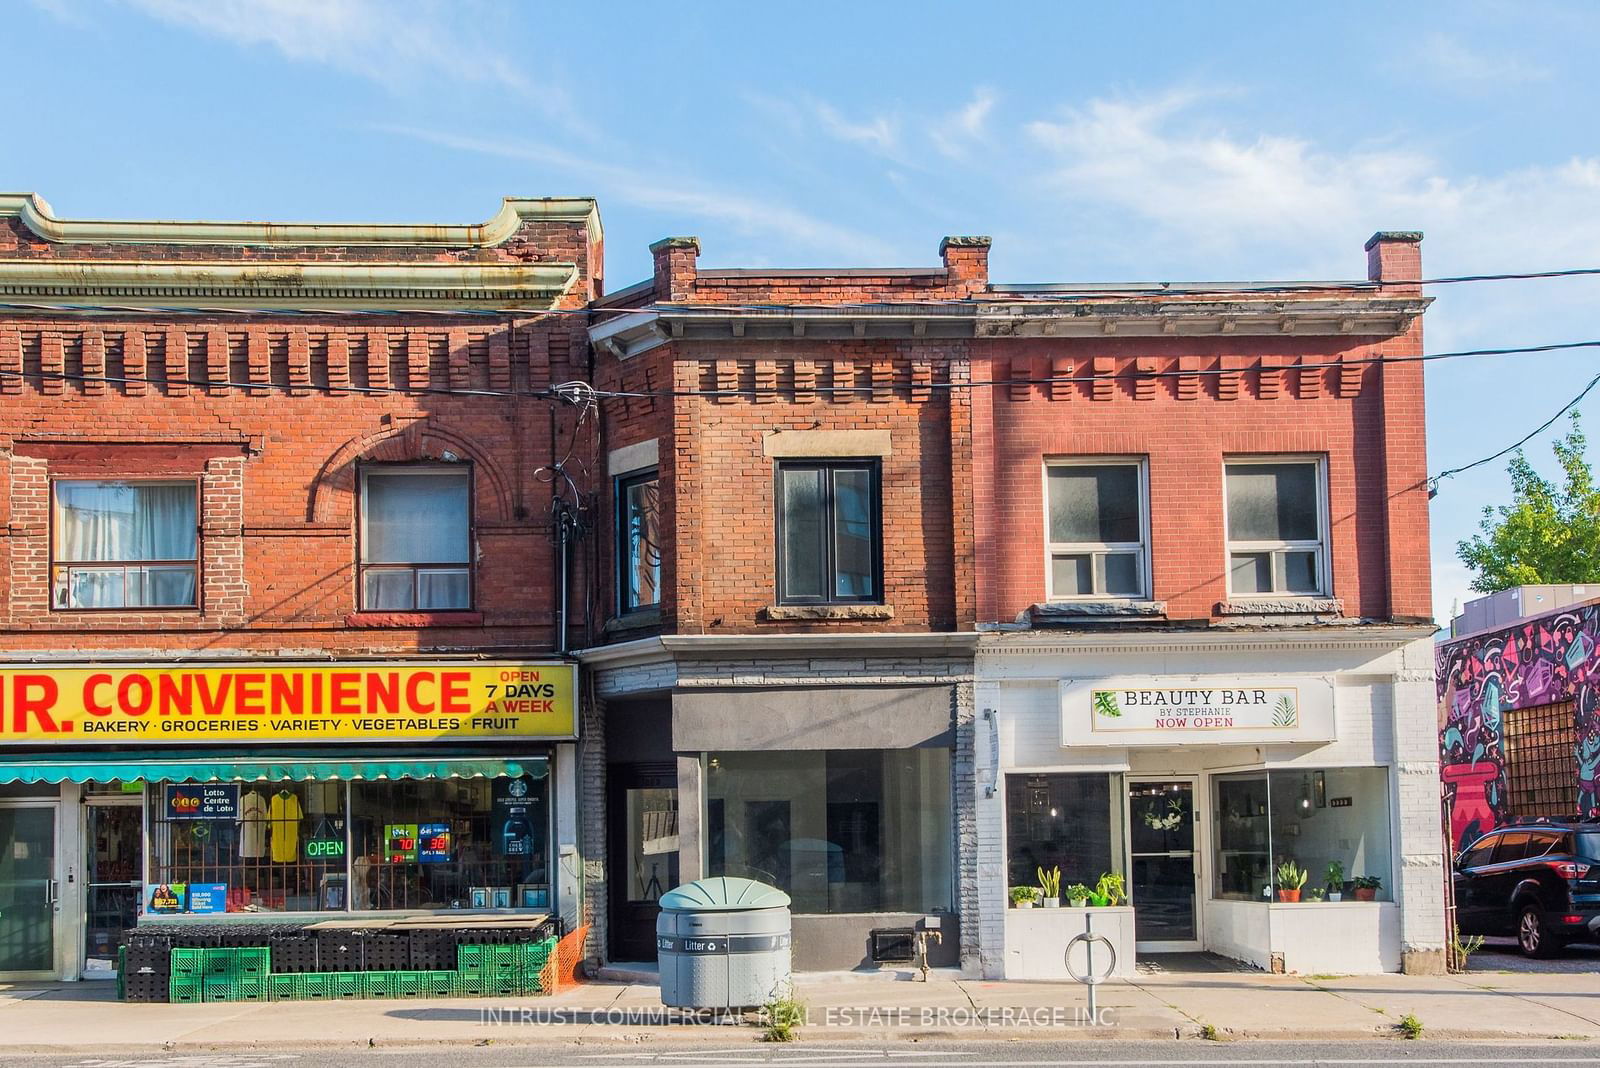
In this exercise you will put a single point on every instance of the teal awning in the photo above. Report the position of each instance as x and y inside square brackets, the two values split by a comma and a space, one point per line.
[178, 767]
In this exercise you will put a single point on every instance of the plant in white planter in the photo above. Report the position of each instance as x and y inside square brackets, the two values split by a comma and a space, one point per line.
[1050, 887]
[1335, 880]
[1023, 897]
[1078, 896]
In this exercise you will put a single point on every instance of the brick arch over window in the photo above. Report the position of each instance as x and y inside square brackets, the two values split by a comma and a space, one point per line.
[418, 441]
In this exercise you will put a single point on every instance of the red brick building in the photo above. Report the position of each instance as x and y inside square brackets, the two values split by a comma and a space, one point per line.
[876, 532]
[280, 451]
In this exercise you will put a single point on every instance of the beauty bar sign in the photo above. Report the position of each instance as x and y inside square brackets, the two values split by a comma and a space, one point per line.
[1196, 709]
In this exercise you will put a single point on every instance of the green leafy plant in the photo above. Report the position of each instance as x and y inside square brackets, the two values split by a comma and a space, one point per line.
[1111, 888]
[1291, 876]
[1021, 894]
[1409, 1026]
[1209, 1032]
[1050, 882]
[782, 1014]
[1105, 704]
[1315, 893]
[1077, 892]
[1283, 714]
[1335, 876]
[1460, 949]
[1368, 882]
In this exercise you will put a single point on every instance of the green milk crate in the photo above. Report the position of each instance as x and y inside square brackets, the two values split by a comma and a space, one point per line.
[122, 972]
[410, 984]
[470, 985]
[184, 989]
[313, 986]
[283, 988]
[220, 963]
[347, 985]
[252, 961]
[189, 963]
[219, 988]
[379, 984]
[439, 984]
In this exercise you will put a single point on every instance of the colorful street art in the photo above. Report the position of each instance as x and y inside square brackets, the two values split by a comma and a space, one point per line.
[1480, 678]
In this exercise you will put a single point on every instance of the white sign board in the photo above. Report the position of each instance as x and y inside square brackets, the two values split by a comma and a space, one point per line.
[1196, 710]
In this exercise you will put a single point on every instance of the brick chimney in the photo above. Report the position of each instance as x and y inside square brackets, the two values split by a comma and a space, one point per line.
[1395, 256]
[675, 267]
[967, 260]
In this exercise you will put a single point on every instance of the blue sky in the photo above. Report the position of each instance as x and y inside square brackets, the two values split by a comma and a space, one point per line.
[1164, 141]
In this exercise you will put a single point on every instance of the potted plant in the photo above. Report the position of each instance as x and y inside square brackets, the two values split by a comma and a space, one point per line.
[1335, 880]
[1108, 890]
[1314, 894]
[1050, 887]
[1367, 887]
[1291, 877]
[1077, 895]
[1022, 897]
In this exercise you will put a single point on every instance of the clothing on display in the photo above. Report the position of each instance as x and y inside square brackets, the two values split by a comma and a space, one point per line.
[252, 826]
[284, 815]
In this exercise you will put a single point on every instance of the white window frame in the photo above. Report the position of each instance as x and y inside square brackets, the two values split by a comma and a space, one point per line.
[417, 567]
[1095, 549]
[1321, 547]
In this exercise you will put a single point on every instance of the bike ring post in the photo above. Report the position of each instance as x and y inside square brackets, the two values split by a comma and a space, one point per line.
[1089, 979]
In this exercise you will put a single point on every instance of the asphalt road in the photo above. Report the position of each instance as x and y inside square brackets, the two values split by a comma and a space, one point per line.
[1502, 955]
[1024, 1054]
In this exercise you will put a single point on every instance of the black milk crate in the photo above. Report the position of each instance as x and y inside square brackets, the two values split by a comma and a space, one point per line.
[386, 951]
[293, 951]
[148, 987]
[433, 951]
[340, 951]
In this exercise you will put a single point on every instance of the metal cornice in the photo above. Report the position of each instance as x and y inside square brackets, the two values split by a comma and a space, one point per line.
[38, 217]
[256, 284]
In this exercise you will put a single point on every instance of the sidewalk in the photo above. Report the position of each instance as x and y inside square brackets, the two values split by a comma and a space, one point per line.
[84, 1017]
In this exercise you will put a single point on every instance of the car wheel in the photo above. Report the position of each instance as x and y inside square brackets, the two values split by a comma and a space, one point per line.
[1533, 937]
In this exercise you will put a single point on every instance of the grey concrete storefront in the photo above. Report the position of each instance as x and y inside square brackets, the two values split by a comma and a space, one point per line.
[838, 767]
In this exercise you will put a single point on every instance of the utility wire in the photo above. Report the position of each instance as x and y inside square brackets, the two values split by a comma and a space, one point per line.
[1433, 483]
[580, 393]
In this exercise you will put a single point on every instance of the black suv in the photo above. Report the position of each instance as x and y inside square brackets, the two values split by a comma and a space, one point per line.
[1539, 880]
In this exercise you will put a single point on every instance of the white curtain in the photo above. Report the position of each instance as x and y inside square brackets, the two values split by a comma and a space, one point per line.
[109, 522]
[416, 518]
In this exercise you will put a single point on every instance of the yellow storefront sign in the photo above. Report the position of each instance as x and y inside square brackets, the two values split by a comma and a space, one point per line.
[122, 704]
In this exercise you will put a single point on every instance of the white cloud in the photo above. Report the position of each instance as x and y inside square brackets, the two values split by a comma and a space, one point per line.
[1448, 60]
[952, 134]
[687, 198]
[395, 45]
[878, 133]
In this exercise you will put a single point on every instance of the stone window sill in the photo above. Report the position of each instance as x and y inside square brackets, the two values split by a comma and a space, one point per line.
[1282, 606]
[827, 613]
[1099, 610]
[638, 619]
[413, 619]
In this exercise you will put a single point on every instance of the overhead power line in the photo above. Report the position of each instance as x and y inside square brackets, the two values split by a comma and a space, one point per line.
[578, 393]
[1433, 483]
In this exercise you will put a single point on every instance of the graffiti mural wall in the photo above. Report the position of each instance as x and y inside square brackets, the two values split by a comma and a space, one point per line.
[1480, 678]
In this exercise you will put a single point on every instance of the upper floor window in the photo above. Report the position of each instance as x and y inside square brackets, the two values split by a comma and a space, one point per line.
[639, 540]
[1277, 527]
[1096, 529]
[829, 540]
[416, 538]
[125, 544]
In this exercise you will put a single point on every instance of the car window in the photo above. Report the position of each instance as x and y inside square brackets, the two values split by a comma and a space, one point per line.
[1589, 845]
[1513, 846]
[1481, 852]
[1542, 842]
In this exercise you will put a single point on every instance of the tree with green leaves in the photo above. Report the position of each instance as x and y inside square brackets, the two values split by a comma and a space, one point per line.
[1549, 533]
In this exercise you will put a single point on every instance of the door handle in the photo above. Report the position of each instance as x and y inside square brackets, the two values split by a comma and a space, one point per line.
[50, 891]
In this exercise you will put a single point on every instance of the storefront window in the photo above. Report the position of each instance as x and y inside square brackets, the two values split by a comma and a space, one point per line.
[841, 830]
[1070, 821]
[1316, 819]
[449, 843]
[333, 846]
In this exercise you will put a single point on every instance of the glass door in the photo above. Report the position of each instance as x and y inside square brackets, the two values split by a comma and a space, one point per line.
[113, 867]
[28, 891]
[1161, 833]
[644, 861]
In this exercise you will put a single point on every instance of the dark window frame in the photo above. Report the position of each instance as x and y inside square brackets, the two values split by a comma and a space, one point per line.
[416, 567]
[621, 485]
[874, 468]
[196, 481]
